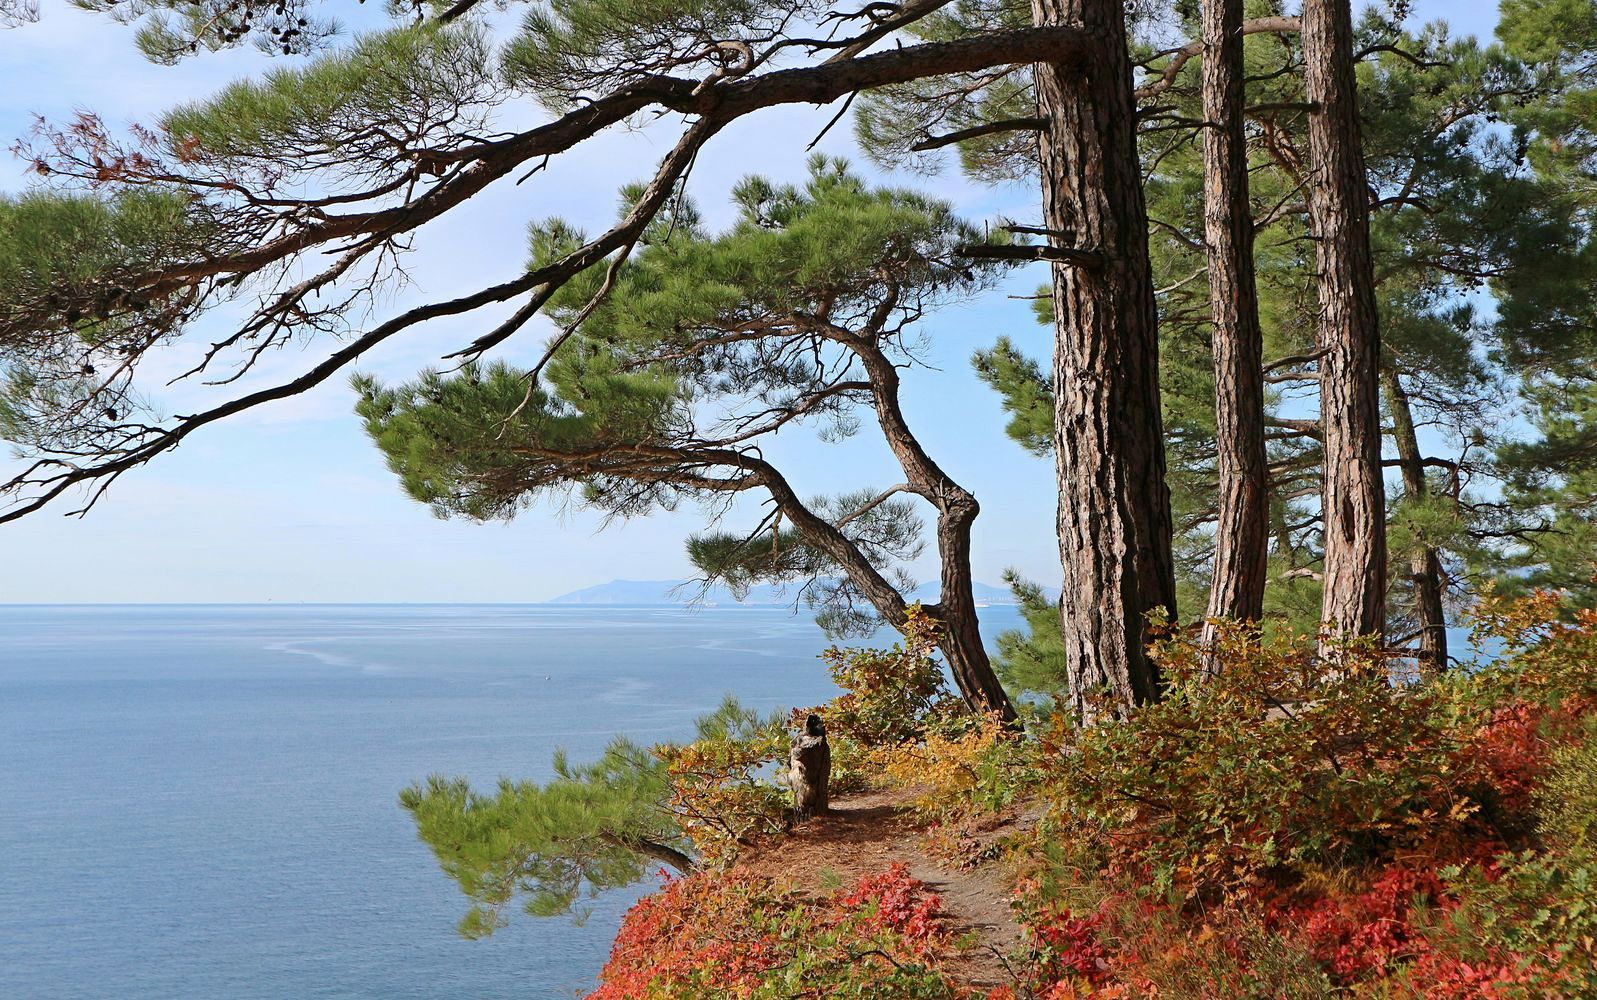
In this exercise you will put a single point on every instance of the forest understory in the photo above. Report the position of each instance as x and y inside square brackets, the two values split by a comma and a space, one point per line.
[1430, 839]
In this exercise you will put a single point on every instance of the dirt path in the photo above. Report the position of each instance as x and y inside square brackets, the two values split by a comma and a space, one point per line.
[866, 833]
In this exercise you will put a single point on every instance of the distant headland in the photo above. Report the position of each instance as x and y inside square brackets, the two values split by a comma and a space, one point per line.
[667, 592]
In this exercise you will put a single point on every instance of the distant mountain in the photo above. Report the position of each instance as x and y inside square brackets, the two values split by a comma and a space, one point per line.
[765, 595]
[985, 593]
[664, 592]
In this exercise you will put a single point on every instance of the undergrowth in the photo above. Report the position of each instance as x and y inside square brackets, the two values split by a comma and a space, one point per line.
[1280, 829]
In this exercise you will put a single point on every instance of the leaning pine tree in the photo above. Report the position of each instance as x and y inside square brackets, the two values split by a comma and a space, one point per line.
[676, 367]
[1069, 125]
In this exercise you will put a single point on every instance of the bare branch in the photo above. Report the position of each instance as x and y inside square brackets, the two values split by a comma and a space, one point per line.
[1179, 57]
[1026, 253]
[977, 131]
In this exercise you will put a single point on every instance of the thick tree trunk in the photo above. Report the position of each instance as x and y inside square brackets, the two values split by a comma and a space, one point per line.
[1114, 507]
[1354, 496]
[1241, 553]
[1424, 562]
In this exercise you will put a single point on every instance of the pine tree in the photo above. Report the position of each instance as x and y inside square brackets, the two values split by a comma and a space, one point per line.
[594, 827]
[1456, 213]
[1073, 133]
[1353, 502]
[706, 345]
[327, 169]
[1241, 557]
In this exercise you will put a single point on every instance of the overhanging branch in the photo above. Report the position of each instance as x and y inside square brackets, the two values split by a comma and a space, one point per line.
[713, 106]
[1025, 253]
[977, 131]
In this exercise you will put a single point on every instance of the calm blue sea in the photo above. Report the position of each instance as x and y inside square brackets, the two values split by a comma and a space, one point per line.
[201, 801]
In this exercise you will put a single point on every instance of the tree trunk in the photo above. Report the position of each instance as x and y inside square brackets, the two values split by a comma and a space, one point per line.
[810, 770]
[1354, 496]
[961, 640]
[1114, 507]
[1241, 553]
[959, 636]
[1424, 562]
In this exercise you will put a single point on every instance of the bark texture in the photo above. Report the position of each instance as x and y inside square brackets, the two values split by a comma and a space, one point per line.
[1424, 562]
[1354, 496]
[810, 769]
[663, 853]
[1114, 507]
[960, 634]
[1241, 552]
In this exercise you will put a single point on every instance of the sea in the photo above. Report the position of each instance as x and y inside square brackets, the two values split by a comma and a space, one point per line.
[202, 800]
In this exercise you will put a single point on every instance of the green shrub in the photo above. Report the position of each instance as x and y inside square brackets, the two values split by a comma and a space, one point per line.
[1567, 802]
[1275, 762]
[888, 694]
[1534, 904]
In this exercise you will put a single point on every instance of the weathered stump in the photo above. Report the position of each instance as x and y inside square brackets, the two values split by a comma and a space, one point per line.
[809, 769]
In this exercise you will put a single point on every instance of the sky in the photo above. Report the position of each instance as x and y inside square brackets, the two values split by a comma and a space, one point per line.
[291, 502]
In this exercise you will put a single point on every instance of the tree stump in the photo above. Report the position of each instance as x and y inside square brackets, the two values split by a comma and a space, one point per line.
[809, 769]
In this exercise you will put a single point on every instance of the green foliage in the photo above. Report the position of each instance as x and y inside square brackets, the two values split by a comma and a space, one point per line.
[830, 248]
[1548, 31]
[572, 48]
[890, 120]
[57, 247]
[170, 30]
[1555, 477]
[889, 695]
[71, 320]
[1032, 660]
[588, 830]
[605, 824]
[51, 240]
[459, 442]
[1027, 395]
[1534, 904]
[365, 110]
[704, 344]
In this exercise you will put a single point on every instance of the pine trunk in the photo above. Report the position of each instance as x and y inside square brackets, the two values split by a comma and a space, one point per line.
[1353, 499]
[959, 637]
[1424, 562]
[1241, 553]
[961, 641]
[1114, 507]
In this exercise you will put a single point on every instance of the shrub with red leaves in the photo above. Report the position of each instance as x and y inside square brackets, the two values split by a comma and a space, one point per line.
[735, 935]
[894, 901]
[1370, 932]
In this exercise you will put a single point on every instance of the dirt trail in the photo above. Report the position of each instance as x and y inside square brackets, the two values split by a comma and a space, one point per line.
[864, 834]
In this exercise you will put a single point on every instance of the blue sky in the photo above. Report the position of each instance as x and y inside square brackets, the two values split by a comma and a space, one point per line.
[291, 503]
